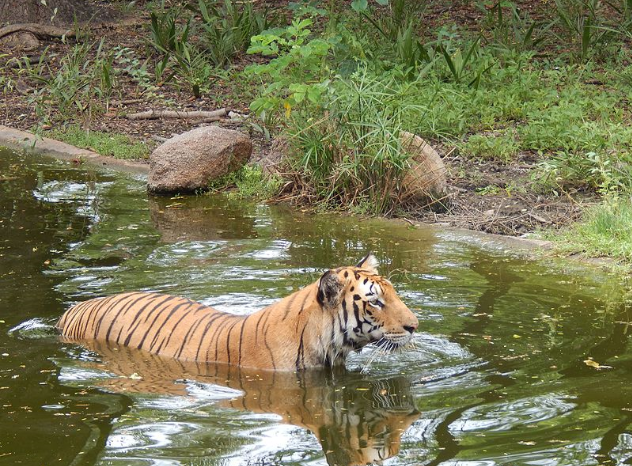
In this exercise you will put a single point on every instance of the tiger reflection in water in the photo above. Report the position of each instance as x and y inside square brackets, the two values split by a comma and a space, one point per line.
[356, 420]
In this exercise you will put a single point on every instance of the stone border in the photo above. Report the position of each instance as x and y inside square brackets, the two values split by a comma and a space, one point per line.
[24, 141]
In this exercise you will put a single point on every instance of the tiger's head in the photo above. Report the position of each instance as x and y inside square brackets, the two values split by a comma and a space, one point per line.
[365, 308]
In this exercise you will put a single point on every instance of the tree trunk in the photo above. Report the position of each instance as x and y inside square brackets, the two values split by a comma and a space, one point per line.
[52, 12]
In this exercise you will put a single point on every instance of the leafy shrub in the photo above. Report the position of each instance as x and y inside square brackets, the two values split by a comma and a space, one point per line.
[298, 72]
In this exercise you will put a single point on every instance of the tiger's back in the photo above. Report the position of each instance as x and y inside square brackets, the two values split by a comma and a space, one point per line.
[162, 324]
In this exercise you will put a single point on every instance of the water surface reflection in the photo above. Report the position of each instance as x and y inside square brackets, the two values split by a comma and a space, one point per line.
[357, 419]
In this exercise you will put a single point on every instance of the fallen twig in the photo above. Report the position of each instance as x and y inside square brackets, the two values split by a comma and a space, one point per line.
[156, 114]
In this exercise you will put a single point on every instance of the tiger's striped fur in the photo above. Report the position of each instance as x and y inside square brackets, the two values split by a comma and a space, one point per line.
[346, 309]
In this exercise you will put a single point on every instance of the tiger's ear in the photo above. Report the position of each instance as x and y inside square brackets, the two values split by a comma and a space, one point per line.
[329, 289]
[369, 262]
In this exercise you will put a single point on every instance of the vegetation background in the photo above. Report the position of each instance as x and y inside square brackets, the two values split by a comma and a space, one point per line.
[528, 102]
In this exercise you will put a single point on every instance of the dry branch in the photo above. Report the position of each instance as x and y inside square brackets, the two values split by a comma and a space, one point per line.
[156, 114]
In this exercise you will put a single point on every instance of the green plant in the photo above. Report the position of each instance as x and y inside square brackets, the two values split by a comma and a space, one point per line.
[412, 53]
[298, 72]
[164, 30]
[352, 154]
[607, 173]
[467, 65]
[603, 231]
[132, 66]
[510, 28]
[582, 24]
[187, 61]
[400, 15]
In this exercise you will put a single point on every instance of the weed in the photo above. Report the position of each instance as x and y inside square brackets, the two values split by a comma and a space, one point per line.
[582, 25]
[352, 154]
[132, 66]
[298, 73]
[466, 65]
[606, 172]
[511, 29]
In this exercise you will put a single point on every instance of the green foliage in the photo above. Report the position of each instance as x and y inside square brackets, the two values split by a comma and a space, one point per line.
[512, 30]
[115, 145]
[607, 172]
[466, 65]
[582, 25]
[298, 73]
[502, 148]
[128, 63]
[604, 231]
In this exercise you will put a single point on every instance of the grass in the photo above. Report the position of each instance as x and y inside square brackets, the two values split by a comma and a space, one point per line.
[116, 145]
[604, 232]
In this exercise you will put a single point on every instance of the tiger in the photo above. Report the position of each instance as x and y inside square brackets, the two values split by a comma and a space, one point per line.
[317, 326]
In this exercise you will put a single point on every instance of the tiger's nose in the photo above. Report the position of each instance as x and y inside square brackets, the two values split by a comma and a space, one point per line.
[410, 328]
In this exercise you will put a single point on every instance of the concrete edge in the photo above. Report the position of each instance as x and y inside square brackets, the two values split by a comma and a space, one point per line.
[28, 142]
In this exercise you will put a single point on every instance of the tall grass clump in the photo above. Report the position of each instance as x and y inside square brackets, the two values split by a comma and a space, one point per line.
[351, 154]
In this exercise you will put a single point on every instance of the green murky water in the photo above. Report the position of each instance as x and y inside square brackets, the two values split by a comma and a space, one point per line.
[497, 375]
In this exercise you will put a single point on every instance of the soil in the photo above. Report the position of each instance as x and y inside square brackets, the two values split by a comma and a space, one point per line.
[484, 196]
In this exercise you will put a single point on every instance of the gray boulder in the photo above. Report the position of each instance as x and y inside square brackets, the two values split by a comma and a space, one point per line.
[189, 161]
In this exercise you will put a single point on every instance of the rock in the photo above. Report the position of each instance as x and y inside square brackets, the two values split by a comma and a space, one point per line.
[426, 179]
[189, 161]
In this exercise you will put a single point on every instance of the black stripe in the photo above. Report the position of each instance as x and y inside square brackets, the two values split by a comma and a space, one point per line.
[300, 354]
[227, 342]
[241, 338]
[119, 299]
[121, 310]
[136, 321]
[81, 324]
[160, 308]
[192, 328]
[164, 322]
[211, 319]
[215, 335]
[265, 340]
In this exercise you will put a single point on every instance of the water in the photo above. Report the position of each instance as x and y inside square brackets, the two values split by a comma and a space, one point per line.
[516, 361]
